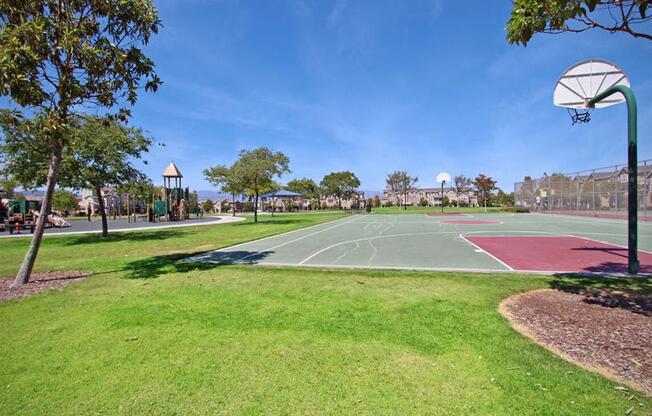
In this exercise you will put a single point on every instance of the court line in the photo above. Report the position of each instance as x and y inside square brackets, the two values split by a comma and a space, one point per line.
[357, 240]
[287, 242]
[560, 235]
[487, 253]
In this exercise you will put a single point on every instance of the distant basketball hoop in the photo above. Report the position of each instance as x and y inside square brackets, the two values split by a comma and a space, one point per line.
[442, 178]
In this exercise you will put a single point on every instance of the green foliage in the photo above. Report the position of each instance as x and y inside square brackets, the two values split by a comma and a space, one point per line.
[63, 200]
[556, 16]
[368, 205]
[102, 153]
[423, 202]
[256, 169]
[445, 201]
[375, 201]
[208, 206]
[340, 184]
[140, 189]
[226, 178]
[305, 186]
[57, 56]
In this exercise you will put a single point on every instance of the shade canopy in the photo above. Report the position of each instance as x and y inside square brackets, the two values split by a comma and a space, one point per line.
[172, 171]
[283, 193]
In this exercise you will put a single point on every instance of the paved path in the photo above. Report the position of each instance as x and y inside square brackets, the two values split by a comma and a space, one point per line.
[90, 227]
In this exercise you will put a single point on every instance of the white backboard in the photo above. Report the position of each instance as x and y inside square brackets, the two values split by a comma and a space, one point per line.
[443, 177]
[585, 80]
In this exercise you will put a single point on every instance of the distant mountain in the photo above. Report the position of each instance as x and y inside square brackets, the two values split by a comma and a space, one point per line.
[212, 195]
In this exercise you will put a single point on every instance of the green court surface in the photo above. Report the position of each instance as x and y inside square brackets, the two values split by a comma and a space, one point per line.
[464, 242]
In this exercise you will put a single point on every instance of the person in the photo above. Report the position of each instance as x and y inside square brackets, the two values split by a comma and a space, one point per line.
[89, 210]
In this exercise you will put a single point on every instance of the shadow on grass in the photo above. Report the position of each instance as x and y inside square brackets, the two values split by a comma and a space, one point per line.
[630, 293]
[124, 236]
[153, 267]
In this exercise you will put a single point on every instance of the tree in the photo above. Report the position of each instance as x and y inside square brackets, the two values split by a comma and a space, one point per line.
[505, 199]
[227, 179]
[208, 206]
[340, 184]
[375, 201]
[193, 202]
[63, 200]
[257, 169]
[7, 185]
[57, 57]
[462, 186]
[401, 183]
[306, 187]
[558, 16]
[484, 184]
[139, 189]
[102, 156]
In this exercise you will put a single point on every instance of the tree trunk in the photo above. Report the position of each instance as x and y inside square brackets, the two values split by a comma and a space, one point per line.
[100, 200]
[30, 257]
[256, 208]
[233, 203]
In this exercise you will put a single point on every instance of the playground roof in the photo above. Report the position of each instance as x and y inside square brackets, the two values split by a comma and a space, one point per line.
[172, 171]
[283, 193]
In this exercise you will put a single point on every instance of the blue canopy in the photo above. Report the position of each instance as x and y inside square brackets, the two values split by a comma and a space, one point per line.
[283, 193]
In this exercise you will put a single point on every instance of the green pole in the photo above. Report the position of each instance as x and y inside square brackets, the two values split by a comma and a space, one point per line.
[442, 196]
[632, 170]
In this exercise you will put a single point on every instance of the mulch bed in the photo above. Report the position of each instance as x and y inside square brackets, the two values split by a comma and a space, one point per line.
[38, 283]
[608, 333]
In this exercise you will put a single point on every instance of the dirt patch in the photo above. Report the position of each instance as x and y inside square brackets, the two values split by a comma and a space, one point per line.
[38, 283]
[609, 339]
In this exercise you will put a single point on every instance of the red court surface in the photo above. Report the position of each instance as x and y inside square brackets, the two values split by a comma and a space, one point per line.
[559, 254]
[477, 222]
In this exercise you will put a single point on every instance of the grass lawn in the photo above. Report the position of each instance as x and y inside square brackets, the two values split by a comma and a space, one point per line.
[147, 334]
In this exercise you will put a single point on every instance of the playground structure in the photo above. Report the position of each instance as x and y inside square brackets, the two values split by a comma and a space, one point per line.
[174, 203]
[20, 216]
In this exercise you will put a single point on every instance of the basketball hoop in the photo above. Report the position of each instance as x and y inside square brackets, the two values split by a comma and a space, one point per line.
[597, 83]
[584, 81]
[579, 116]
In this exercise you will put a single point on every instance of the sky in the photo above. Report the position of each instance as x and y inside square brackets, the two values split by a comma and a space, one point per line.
[374, 86]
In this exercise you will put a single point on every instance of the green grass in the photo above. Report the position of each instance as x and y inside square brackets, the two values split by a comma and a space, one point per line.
[423, 210]
[147, 334]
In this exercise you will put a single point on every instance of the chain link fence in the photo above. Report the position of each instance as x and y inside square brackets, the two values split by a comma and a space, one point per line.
[600, 192]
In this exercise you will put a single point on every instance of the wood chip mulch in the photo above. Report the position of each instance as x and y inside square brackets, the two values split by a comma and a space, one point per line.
[38, 283]
[612, 336]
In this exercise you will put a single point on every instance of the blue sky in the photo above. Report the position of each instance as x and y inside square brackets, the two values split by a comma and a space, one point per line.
[376, 86]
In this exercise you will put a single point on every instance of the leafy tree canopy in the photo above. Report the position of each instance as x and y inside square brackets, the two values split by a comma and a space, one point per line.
[557, 16]
[340, 184]
[305, 186]
[257, 169]
[63, 200]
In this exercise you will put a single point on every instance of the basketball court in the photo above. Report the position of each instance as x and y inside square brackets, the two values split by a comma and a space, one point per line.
[470, 242]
